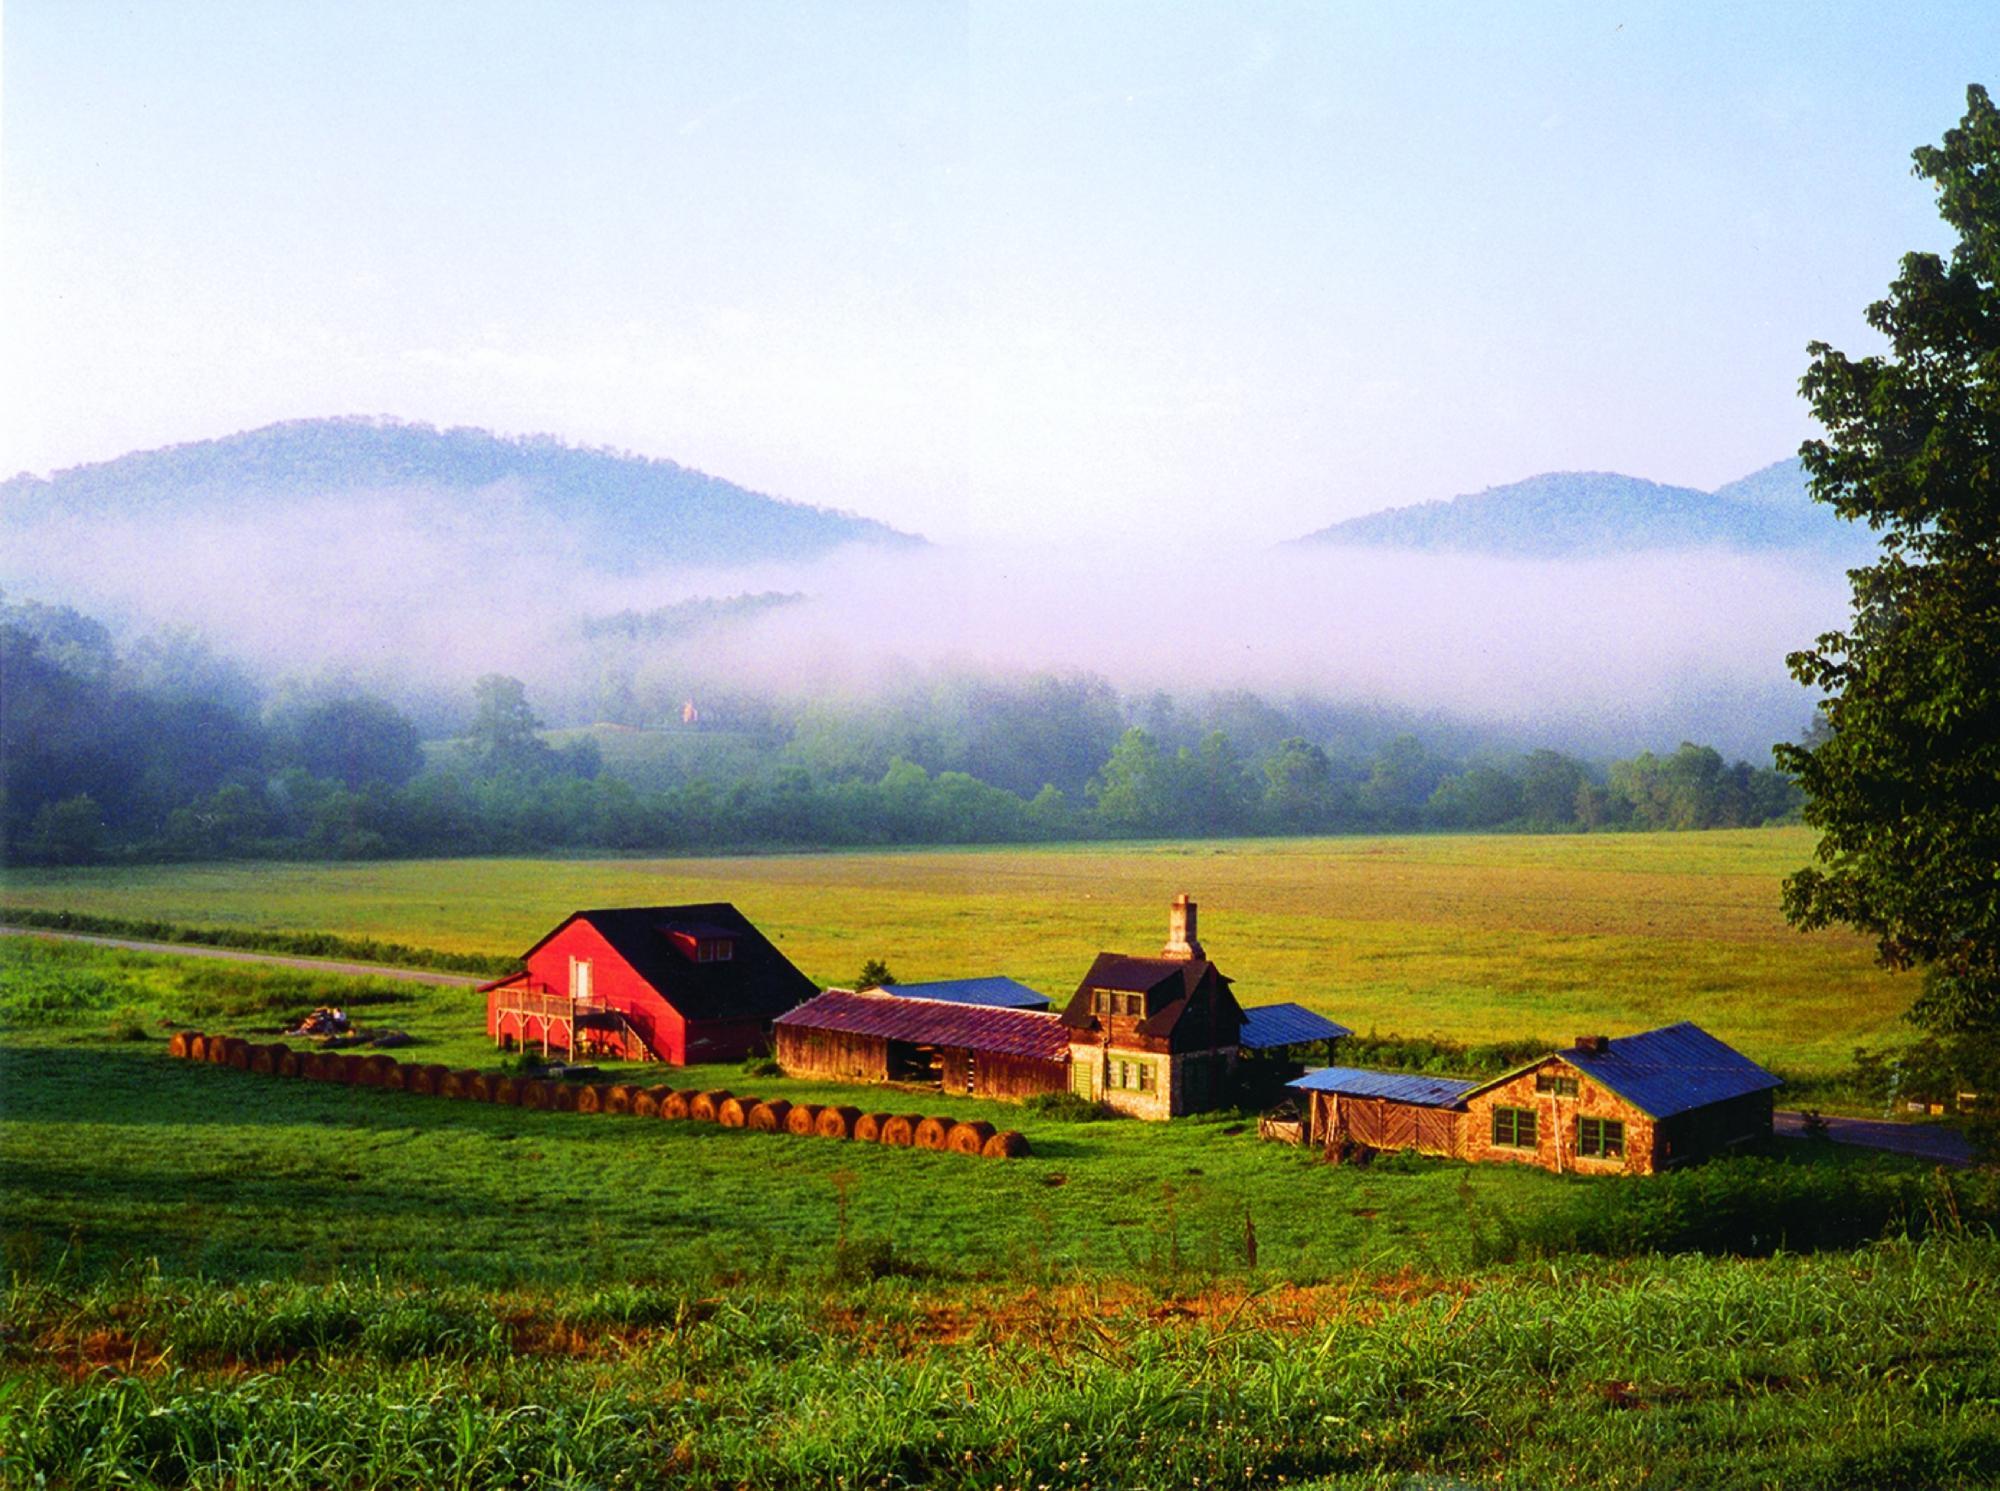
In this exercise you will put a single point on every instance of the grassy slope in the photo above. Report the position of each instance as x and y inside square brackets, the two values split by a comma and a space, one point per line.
[1477, 938]
[225, 1280]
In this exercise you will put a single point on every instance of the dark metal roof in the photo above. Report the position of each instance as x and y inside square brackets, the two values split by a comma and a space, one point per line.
[1001, 993]
[1172, 986]
[935, 1022]
[1397, 1087]
[1672, 1069]
[755, 983]
[1142, 975]
[1266, 1026]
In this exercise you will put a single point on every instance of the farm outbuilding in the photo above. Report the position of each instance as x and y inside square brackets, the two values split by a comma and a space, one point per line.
[678, 984]
[971, 1049]
[1634, 1104]
[1000, 992]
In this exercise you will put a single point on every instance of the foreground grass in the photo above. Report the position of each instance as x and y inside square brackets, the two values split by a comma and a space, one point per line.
[1473, 938]
[225, 1280]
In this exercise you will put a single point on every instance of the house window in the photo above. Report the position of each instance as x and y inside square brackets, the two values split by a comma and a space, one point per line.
[1100, 1001]
[1145, 1076]
[1513, 1128]
[1604, 1137]
[1134, 1076]
[1135, 1004]
[1562, 1087]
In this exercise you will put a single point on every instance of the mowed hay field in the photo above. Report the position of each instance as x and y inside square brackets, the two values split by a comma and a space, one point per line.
[1477, 938]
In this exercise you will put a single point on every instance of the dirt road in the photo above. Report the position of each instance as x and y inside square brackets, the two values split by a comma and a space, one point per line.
[243, 955]
[1923, 1141]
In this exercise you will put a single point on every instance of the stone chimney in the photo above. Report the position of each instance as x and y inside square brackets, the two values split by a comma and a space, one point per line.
[1182, 943]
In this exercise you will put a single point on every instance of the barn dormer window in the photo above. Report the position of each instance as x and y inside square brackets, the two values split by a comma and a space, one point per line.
[715, 950]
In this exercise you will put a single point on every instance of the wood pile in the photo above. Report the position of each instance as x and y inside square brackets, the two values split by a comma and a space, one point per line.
[718, 1106]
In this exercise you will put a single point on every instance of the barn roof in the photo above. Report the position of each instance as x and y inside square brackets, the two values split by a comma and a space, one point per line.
[755, 983]
[1266, 1026]
[1397, 1087]
[934, 1022]
[1672, 1069]
[1002, 993]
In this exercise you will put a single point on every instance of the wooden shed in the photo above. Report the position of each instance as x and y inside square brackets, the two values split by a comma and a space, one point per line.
[1382, 1110]
[972, 1049]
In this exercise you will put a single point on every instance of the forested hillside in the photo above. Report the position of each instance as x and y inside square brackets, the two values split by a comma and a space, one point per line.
[625, 509]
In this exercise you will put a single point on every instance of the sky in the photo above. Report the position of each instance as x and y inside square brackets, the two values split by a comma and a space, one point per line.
[1161, 276]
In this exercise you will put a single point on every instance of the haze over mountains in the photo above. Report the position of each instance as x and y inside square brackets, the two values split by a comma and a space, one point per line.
[1593, 514]
[629, 512]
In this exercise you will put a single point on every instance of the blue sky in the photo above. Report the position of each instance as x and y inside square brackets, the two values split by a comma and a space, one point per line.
[1161, 275]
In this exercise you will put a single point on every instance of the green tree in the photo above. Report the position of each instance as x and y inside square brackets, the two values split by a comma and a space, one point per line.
[874, 974]
[1904, 786]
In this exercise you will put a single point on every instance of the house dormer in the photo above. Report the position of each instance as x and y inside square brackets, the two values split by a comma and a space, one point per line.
[700, 943]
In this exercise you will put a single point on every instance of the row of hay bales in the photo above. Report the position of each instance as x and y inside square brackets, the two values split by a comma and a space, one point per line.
[730, 1110]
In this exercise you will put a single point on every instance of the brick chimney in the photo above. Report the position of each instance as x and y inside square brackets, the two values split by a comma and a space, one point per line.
[1596, 1045]
[1182, 943]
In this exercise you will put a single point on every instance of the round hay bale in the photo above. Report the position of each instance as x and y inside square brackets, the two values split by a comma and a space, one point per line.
[316, 1066]
[288, 1064]
[417, 1078]
[647, 1103]
[868, 1127]
[769, 1118]
[181, 1045]
[218, 1050]
[236, 1053]
[901, 1131]
[837, 1123]
[677, 1103]
[735, 1112]
[261, 1059]
[932, 1133]
[621, 1097]
[197, 1047]
[803, 1120]
[506, 1091]
[590, 1097]
[397, 1078]
[968, 1138]
[562, 1097]
[347, 1069]
[373, 1071]
[459, 1084]
[704, 1106]
[537, 1094]
[1006, 1145]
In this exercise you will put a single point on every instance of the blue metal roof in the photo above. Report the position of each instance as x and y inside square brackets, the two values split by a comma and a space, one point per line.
[1269, 1025]
[1001, 993]
[1672, 1069]
[1398, 1087]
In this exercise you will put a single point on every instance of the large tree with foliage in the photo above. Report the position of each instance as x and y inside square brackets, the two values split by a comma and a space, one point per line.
[1904, 783]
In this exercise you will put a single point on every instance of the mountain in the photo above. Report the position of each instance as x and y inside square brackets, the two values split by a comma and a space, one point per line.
[1577, 514]
[626, 509]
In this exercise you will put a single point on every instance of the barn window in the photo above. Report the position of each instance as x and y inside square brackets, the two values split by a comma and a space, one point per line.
[1562, 1087]
[1514, 1128]
[1604, 1137]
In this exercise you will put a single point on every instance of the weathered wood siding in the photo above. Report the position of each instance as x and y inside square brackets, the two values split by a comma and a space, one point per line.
[1555, 1124]
[804, 1052]
[1382, 1124]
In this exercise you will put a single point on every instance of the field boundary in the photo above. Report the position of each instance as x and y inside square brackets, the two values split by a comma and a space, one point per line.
[325, 945]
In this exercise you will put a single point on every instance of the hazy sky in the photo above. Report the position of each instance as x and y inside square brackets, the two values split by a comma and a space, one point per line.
[1161, 274]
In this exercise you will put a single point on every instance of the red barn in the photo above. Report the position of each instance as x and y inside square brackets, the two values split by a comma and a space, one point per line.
[678, 984]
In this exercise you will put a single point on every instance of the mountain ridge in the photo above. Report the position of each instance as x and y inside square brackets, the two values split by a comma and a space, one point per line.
[1566, 514]
[623, 499]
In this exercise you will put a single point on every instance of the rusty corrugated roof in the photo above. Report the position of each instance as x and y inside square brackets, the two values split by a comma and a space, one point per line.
[935, 1022]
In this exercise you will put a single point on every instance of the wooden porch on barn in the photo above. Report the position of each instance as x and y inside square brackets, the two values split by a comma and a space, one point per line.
[530, 1013]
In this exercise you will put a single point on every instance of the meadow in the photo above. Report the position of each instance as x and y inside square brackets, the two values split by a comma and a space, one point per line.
[1474, 938]
[221, 1280]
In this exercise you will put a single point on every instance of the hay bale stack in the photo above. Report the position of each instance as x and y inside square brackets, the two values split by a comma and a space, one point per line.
[507, 1091]
[677, 1103]
[288, 1064]
[769, 1118]
[459, 1084]
[704, 1107]
[837, 1123]
[236, 1053]
[621, 1097]
[181, 1045]
[803, 1120]
[373, 1071]
[562, 1097]
[197, 1047]
[421, 1079]
[901, 1131]
[261, 1060]
[590, 1097]
[734, 1113]
[968, 1138]
[347, 1069]
[397, 1078]
[218, 1050]
[316, 1066]
[647, 1103]
[1006, 1145]
[932, 1133]
[536, 1093]
[868, 1128]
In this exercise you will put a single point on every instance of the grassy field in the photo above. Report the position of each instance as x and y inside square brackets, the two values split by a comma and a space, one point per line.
[225, 1280]
[1474, 938]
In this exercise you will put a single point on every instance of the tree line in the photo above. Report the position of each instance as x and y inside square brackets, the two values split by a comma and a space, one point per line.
[167, 751]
